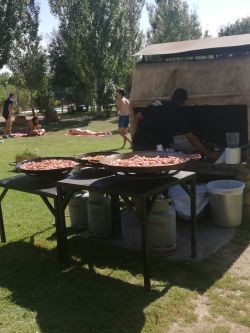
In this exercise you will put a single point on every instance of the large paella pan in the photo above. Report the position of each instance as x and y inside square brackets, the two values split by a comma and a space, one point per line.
[146, 162]
[47, 166]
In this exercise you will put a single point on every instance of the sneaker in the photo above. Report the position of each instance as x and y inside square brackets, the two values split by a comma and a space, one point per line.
[11, 135]
[5, 136]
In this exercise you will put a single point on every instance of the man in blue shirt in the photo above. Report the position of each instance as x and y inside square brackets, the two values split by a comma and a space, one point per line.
[7, 112]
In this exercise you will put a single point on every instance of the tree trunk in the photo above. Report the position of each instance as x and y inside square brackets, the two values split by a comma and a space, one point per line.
[32, 106]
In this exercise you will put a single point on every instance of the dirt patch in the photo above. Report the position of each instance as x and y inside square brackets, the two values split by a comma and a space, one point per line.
[242, 265]
[220, 326]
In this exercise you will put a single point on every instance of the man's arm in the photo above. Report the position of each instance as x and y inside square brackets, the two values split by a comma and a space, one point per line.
[212, 155]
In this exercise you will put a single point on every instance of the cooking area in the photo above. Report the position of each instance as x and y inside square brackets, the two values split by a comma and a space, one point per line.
[215, 72]
[147, 193]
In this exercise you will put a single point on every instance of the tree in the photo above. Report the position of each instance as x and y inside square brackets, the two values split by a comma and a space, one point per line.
[68, 84]
[99, 36]
[29, 67]
[171, 21]
[240, 26]
[18, 21]
[4, 82]
[206, 34]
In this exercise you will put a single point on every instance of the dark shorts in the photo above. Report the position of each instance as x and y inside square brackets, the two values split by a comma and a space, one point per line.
[123, 122]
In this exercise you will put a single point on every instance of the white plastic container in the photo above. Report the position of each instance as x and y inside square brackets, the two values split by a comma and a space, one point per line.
[233, 139]
[78, 210]
[162, 226]
[226, 202]
[182, 203]
[99, 215]
[233, 155]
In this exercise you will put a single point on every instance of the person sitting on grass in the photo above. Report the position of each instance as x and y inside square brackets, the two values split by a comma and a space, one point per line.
[34, 128]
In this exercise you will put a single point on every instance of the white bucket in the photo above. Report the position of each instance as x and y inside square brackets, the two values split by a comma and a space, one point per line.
[226, 202]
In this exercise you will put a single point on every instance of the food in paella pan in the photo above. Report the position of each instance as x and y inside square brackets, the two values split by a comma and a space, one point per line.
[49, 164]
[147, 161]
[93, 158]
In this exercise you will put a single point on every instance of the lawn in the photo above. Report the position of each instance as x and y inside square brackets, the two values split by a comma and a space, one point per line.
[104, 291]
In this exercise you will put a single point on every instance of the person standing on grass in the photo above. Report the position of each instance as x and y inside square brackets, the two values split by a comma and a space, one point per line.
[7, 112]
[123, 111]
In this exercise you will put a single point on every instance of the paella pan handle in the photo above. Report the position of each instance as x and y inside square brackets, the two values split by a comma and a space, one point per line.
[194, 156]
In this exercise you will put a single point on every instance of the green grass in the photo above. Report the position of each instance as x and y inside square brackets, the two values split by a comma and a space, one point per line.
[102, 290]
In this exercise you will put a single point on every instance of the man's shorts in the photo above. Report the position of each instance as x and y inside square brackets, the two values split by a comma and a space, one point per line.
[123, 122]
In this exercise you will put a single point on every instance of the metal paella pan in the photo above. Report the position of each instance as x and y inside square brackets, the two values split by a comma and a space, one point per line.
[93, 158]
[47, 166]
[146, 162]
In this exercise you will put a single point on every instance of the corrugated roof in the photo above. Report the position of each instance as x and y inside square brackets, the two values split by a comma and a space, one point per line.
[197, 46]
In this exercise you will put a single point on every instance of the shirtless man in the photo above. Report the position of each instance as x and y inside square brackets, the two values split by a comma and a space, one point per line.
[123, 111]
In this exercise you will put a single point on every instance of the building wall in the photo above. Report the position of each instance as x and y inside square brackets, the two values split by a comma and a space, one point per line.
[223, 81]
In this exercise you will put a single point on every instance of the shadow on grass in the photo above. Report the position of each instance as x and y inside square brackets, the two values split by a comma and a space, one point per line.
[73, 300]
[195, 275]
[66, 122]
[78, 299]
[75, 121]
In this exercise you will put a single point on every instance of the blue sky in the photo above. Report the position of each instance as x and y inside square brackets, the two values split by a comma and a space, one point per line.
[212, 14]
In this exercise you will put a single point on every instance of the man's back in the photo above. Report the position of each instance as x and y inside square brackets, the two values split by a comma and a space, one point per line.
[159, 125]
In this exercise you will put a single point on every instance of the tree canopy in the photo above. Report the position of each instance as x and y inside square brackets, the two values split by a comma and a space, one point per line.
[98, 38]
[240, 26]
[171, 20]
[18, 21]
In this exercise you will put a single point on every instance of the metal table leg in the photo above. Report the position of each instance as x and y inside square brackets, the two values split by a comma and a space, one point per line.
[2, 230]
[116, 216]
[142, 216]
[192, 194]
[62, 244]
[193, 218]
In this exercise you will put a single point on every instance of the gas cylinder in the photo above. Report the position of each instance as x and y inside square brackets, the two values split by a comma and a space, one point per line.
[78, 210]
[99, 215]
[162, 225]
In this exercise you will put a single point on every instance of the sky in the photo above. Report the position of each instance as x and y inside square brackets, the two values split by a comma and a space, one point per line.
[212, 14]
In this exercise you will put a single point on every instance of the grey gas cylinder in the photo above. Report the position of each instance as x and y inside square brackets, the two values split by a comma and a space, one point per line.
[78, 210]
[99, 215]
[162, 226]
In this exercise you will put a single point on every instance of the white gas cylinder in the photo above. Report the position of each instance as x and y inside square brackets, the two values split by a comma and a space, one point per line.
[78, 210]
[162, 225]
[99, 215]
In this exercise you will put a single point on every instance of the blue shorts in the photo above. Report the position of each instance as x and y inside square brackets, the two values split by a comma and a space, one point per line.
[123, 122]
